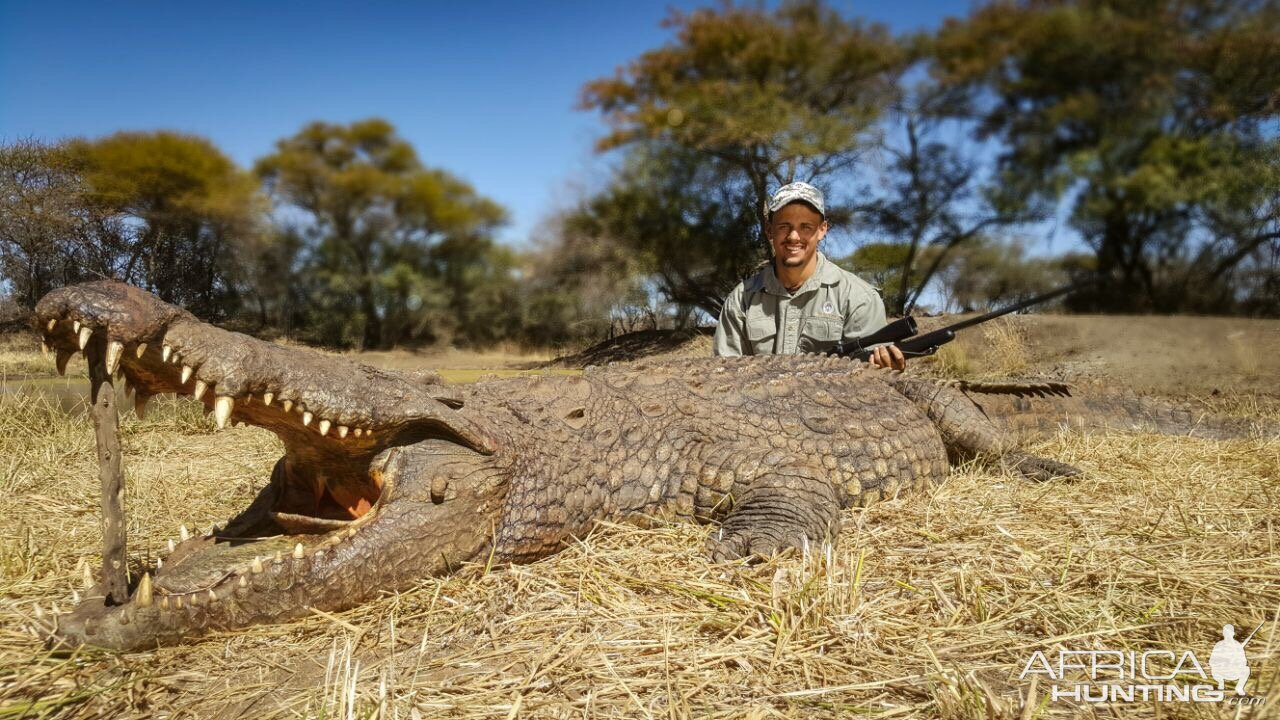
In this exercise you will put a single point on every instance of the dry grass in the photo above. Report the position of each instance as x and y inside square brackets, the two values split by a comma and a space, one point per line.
[927, 607]
[18, 360]
[995, 349]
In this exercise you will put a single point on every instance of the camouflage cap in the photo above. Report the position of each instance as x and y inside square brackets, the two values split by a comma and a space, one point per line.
[797, 192]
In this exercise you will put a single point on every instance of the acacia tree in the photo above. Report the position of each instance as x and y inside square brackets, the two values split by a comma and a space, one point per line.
[183, 207]
[1140, 114]
[164, 211]
[374, 214]
[743, 100]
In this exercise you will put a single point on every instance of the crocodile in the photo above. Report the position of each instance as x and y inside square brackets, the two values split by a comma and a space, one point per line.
[391, 478]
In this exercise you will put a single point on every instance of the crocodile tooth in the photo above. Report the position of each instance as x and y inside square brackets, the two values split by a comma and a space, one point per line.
[88, 576]
[244, 581]
[75, 326]
[140, 350]
[298, 552]
[49, 326]
[186, 373]
[183, 534]
[212, 597]
[256, 565]
[201, 387]
[306, 418]
[39, 611]
[342, 431]
[143, 594]
[324, 427]
[44, 348]
[172, 546]
[61, 360]
[159, 563]
[75, 596]
[115, 349]
[164, 602]
[85, 334]
[194, 599]
[267, 398]
[287, 405]
[177, 602]
[222, 409]
[166, 352]
[358, 432]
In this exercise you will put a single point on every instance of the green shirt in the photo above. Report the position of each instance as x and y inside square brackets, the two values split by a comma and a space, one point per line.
[761, 317]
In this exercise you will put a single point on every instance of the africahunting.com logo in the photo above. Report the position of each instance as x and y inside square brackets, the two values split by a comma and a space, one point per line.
[1111, 676]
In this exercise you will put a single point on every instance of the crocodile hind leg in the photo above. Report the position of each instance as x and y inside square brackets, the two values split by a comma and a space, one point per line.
[967, 432]
[788, 502]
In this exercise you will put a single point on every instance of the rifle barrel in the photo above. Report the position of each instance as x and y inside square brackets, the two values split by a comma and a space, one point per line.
[1018, 306]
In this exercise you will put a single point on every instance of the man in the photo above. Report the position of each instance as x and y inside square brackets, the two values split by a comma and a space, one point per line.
[801, 302]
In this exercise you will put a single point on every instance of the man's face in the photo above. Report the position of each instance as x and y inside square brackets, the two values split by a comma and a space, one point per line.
[795, 231]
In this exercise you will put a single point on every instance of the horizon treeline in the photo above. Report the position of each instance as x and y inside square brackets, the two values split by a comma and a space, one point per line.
[1150, 129]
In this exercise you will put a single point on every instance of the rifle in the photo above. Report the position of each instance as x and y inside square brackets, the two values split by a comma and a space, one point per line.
[903, 332]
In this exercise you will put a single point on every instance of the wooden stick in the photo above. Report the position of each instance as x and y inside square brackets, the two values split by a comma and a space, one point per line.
[113, 582]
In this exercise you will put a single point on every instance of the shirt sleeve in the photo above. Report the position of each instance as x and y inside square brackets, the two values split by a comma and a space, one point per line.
[731, 330]
[865, 314]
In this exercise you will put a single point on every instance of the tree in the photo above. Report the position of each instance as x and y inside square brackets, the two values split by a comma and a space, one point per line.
[1138, 113]
[374, 213]
[49, 237]
[683, 221]
[576, 284]
[743, 100]
[181, 206]
[986, 273]
[933, 197]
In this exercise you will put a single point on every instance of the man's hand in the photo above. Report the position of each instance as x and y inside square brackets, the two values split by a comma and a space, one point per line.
[888, 356]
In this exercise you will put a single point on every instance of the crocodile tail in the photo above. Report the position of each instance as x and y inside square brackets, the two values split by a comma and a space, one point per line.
[1042, 408]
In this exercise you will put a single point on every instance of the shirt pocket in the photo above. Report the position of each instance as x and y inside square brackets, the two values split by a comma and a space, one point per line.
[761, 333]
[819, 334]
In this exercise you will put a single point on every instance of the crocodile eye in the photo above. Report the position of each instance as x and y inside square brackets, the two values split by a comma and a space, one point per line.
[576, 418]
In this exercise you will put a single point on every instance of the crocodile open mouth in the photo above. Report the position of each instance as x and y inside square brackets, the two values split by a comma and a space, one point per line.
[336, 420]
[318, 494]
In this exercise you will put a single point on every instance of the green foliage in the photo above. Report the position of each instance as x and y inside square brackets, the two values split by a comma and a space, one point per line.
[184, 205]
[164, 211]
[48, 235]
[881, 264]
[1145, 111]
[744, 99]
[984, 274]
[399, 252]
[682, 218]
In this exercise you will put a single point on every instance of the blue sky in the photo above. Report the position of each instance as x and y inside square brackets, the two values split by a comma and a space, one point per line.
[484, 89]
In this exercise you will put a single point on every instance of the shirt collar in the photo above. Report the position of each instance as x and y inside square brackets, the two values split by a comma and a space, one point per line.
[826, 273]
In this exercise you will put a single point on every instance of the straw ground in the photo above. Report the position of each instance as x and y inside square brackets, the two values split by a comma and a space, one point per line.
[929, 606]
